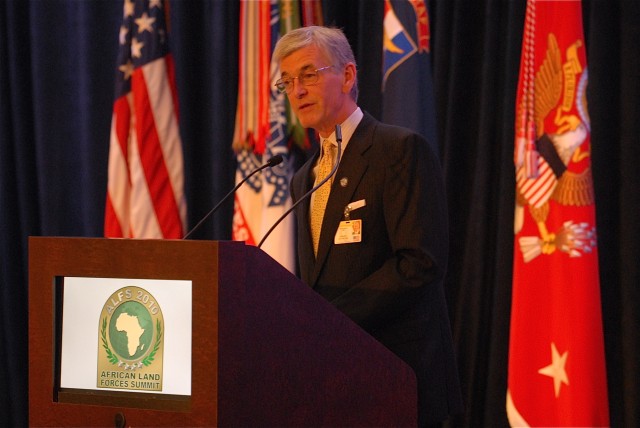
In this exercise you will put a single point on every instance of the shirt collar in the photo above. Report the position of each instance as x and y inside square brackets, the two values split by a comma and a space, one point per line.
[348, 127]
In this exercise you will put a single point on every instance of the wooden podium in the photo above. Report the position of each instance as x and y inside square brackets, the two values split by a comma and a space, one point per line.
[266, 349]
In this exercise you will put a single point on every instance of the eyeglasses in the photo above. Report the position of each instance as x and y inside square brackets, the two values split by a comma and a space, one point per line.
[307, 77]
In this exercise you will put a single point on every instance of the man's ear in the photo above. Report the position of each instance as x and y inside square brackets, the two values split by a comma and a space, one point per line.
[349, 77]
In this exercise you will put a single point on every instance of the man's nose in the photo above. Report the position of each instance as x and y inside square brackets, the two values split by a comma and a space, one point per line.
[298, 88]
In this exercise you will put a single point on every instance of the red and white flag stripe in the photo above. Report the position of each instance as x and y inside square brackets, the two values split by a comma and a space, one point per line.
[145, 190]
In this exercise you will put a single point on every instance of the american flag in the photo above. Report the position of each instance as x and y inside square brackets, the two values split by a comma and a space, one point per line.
[145, 195]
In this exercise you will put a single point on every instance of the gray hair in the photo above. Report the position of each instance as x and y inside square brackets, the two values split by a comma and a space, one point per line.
[330, 41]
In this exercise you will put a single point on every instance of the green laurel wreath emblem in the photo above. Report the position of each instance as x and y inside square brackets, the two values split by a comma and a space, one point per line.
[103, 333]
[113, 359]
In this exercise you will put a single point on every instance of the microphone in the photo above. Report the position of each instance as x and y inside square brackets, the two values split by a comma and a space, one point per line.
[308, 194]
[273, 161]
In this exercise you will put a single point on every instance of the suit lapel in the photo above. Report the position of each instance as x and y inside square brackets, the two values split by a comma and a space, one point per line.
[304, 237]
[306, 185]
[352, 168]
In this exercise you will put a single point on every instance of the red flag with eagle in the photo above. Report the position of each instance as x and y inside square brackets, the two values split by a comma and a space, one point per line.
[557, 373]
[265, 127]
[145, 195]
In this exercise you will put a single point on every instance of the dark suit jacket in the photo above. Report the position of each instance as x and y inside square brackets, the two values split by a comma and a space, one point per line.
[391, 283]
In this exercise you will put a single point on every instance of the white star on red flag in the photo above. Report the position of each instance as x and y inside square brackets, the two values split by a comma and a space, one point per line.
[556, 369]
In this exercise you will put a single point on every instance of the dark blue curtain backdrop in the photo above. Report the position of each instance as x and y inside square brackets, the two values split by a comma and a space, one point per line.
[57, 67]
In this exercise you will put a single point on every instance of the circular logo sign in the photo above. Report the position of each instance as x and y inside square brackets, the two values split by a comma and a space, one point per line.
[131, 341]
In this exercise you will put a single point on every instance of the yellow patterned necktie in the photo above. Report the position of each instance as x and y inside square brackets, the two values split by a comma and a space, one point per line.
[322, 194]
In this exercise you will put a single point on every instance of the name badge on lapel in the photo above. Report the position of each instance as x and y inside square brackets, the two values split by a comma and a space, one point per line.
[349, 231]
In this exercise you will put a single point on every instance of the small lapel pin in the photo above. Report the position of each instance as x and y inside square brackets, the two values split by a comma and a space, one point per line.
[344, 181]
